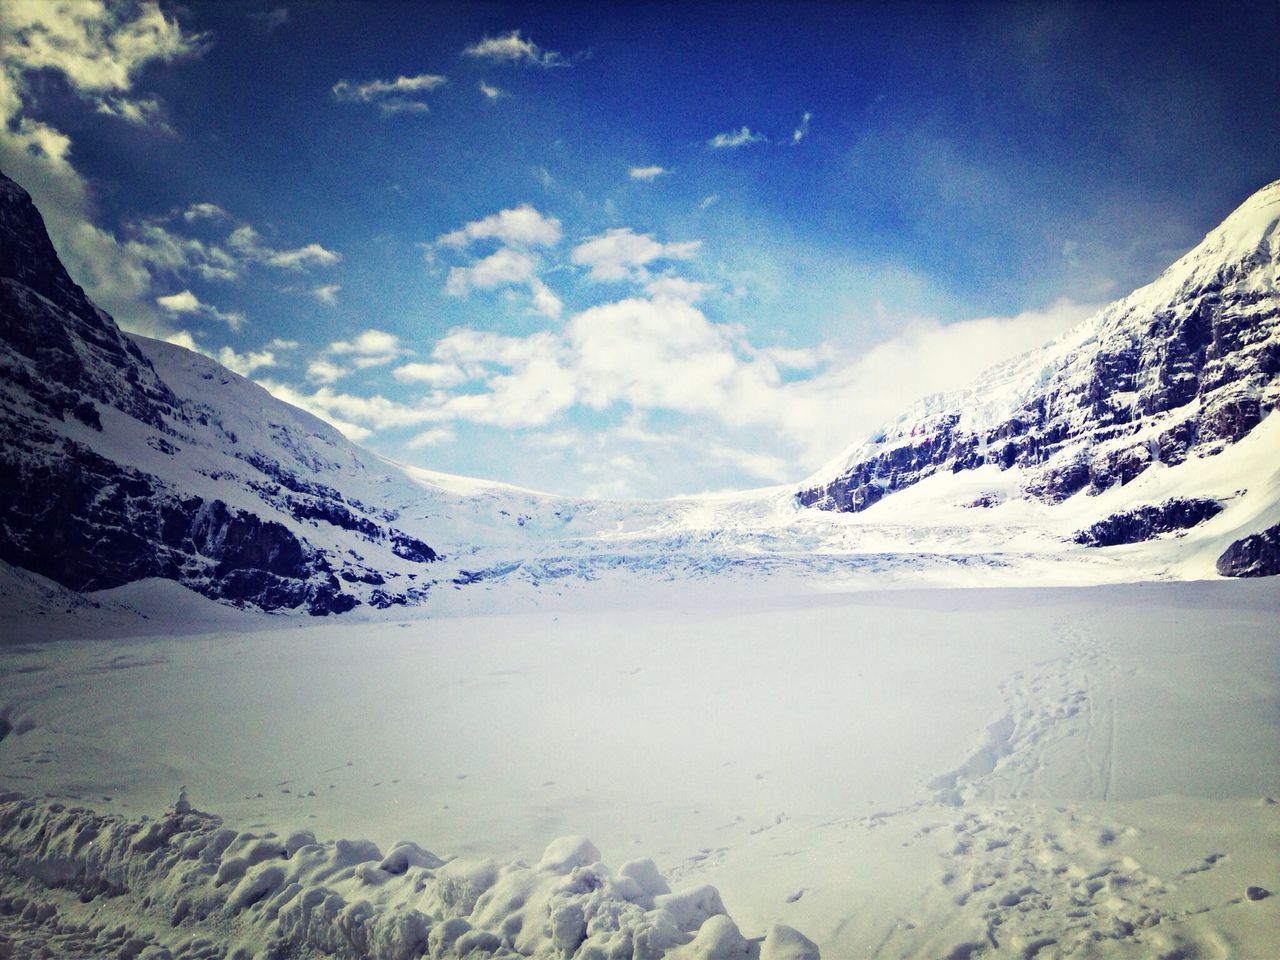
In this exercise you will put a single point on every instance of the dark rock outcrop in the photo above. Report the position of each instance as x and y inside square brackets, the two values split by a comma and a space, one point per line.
[1254, 556]
[91, 524]
[1148, 522]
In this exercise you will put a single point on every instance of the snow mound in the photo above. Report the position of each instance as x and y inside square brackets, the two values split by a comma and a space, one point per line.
[74, 882]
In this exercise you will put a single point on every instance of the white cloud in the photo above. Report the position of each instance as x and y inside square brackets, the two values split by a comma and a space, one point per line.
[241, 363]
[709, 201]
[432, 438]
[245, 363]
[182, 338]
[664, 355]
[621, 254]
[186, 302]
[316, 405]
[545, 302]
[734, 139]
[203, 211]
[523, 380]
[280, 343]
[370, 348]
[513, 48]
[519, 230]
[327, 294]
[647, 174]
[400, 95]
[491, 93]
[801, 131]
[504, 267]
[521, 226]
[325, 371]
[432, 374]
[99, 49]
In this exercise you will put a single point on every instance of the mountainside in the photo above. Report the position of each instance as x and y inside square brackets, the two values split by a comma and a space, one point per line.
[108, 475]
[1177, 372]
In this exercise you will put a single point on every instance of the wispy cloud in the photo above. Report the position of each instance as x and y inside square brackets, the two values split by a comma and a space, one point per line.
[647, 173]
[735, 139]
[357, 417]
[269, 21]
[514, 48]
[401, 95]
[802, 130]
[187, 303]
[139, 111]
[248, 242]
[369, 348]
[491, 93]
[327, 294]
[432, 438]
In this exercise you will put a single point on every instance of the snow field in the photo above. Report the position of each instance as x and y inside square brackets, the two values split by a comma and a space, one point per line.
[902, 773]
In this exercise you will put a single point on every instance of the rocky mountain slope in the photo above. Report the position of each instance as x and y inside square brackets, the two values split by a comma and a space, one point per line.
[1175, 373]
[108, 475]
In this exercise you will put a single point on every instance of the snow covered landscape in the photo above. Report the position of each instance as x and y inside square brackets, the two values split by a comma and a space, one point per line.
[1001, 679]
[926, 728]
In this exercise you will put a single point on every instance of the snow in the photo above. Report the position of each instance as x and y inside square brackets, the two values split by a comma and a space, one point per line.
[894, 773]
[849, 725]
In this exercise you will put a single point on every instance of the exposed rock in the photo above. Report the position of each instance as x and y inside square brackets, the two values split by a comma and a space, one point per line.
[1148, 522]
[1254, 556]
[91, 524]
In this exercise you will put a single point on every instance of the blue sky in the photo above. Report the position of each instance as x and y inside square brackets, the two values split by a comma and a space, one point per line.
[627, 250]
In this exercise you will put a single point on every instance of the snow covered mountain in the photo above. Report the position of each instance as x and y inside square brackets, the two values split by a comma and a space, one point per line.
[1166, 379]
[1144, 432]
[114, 469]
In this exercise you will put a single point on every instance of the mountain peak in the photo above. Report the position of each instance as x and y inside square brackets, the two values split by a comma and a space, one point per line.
[1247, 239]
[27, 254]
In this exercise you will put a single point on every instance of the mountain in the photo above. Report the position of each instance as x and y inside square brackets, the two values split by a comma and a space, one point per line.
[1166, 379]
[1137, 446]
[109, 475]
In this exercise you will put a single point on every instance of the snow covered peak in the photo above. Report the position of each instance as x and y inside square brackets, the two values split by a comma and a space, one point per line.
[1246, 244]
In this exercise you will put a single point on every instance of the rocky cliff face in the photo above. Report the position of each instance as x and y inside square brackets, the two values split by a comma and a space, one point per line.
[1180, 369]
[108, 475]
